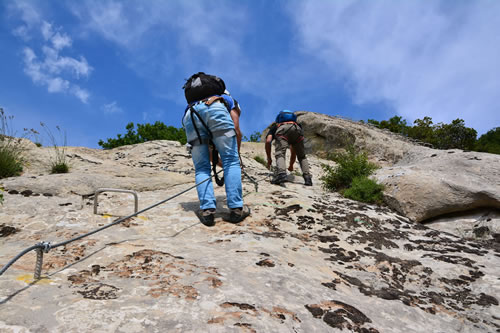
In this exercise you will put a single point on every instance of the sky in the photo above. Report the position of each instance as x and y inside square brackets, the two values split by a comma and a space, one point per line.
[90, 67]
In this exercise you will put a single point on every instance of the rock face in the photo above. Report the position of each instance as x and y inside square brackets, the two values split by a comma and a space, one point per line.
[304, 261]
[421, 183]
[324, 134]
[433, 183]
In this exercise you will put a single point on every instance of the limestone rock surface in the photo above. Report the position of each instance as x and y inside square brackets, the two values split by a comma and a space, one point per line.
[304, 261]
[431, 183]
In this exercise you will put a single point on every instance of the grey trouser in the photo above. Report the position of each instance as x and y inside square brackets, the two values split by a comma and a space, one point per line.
[290, 134]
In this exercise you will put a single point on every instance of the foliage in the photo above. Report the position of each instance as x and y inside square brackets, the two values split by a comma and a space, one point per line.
[350, 177]
[254, 137]
[454, 135]
[11, 148]
[423, 130]
[364, 189]
[1, 196]
[58, 163]
[59, 168]
[489, 142]
[349, 166]
[395, 124]
[145, 132]
[441, 136]
[261, 160]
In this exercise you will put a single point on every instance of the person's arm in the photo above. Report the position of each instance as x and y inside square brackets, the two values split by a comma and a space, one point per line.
[269, 139]
[293, 157]
[235, 115]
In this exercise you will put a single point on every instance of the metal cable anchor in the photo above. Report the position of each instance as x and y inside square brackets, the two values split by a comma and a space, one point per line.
[43, 247]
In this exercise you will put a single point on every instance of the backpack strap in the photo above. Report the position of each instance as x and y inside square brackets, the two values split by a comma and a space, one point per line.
[215, 153]
[287, 122]
[211, 100]
[284, 136]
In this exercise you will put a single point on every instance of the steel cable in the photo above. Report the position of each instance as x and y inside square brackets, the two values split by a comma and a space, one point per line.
[34, 247]
[47, 246]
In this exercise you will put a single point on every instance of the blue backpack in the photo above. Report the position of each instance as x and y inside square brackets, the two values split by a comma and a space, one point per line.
[285, 116]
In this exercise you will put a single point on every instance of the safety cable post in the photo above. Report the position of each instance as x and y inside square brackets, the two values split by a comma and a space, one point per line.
[39, 263]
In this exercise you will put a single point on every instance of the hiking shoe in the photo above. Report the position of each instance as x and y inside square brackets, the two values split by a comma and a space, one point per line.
[206, 216]
[279, 179]
[308, 180]
[239, 214]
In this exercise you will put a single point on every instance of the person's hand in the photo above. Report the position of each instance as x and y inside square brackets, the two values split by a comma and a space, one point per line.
[269, 162]
[290, 168]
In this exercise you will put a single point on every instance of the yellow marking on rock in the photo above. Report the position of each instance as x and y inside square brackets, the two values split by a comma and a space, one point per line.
[106, 216]
[142, 217]
[29, 278]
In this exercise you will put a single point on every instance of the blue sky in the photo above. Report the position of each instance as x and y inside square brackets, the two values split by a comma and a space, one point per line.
[92, 66]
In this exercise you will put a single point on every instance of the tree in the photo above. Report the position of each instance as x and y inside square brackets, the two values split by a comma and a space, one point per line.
[395, 124]
[254, 137]
[423, 130]
[145, 132]
[454, 135]
[442, 136]
[489, 142]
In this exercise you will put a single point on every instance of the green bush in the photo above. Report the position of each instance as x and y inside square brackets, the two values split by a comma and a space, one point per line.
[11, 162]
[364, 189]
[350, 177]
[261, 160]
[1, 196]
[59, 168]
[349, 166]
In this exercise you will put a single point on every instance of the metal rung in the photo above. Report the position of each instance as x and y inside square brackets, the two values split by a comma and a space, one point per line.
[100, 190]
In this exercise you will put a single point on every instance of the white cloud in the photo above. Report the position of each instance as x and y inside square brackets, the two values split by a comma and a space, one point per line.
[56, 64]
[56, 84]
[52, 69]
[46, 30]
[43, 72]
[82, 94]
[60, 41]
[188, 27]
[438, 59]
[27, 11]
[111, 108]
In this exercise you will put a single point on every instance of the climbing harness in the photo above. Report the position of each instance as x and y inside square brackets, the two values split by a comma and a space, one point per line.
[215, 154]
[45, 247]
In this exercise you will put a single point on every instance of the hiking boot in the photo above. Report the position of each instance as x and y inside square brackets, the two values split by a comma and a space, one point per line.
[308, 180]
[206, 216]
[239, 214]
[279, 179]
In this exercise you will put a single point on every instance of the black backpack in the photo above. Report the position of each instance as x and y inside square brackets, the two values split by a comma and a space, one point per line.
[200, 86]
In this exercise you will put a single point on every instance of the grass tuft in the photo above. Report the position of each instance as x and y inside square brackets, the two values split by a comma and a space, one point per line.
[261, 160]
